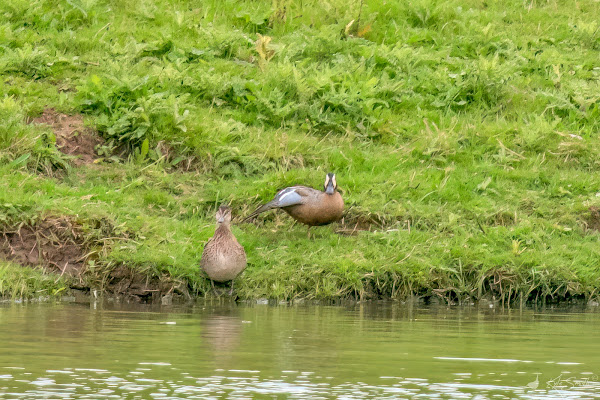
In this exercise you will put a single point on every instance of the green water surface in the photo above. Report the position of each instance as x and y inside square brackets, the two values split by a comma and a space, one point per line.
[227, 350]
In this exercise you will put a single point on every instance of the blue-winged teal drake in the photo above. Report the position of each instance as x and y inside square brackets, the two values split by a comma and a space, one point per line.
[307, 205]
[223, 258]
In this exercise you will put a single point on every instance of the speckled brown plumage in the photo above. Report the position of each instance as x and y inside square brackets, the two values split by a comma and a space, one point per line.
[223, 258]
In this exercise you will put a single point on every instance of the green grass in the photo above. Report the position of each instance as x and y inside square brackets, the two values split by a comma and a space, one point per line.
[465, 131]
[18, 282]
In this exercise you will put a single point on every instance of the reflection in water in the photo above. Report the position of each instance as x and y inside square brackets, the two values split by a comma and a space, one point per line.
[357, 351]
[221, 333]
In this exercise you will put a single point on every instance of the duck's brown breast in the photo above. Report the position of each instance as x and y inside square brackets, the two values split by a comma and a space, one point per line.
[319, 210]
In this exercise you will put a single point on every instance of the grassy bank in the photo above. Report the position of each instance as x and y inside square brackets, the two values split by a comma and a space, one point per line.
[464, 136]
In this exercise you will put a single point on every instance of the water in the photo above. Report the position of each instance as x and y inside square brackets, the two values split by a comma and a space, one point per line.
[228, 351]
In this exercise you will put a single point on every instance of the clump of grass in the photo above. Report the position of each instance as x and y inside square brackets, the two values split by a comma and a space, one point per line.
[23, 145]
[17, 282]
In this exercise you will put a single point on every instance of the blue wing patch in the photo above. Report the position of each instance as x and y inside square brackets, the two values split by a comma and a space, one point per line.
[288, 197]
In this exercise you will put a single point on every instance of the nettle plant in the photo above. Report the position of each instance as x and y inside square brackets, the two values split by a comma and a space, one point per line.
[134, 113]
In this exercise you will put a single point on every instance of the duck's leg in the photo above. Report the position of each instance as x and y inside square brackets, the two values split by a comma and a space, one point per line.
[308, 231]
[231, 290]
[213, 287]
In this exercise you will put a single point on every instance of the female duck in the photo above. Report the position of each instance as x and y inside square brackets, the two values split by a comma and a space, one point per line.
[223, 258]
[307, 205]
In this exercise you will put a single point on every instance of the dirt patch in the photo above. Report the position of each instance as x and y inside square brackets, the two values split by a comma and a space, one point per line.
[58, 244]
[351, 225]
[72, 137]
[54, 243]
[353, 222]
[592, 218]
[125, 281]
[501, 218]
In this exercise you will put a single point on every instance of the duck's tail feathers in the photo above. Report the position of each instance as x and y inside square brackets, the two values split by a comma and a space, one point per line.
[259, 210]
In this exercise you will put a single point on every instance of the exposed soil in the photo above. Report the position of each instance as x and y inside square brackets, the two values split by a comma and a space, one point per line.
[353, 222]
[592, 219]
[501, 218]
[59, 245]
[351, 225]
[125, 281]
[54, 243]
[72, 137]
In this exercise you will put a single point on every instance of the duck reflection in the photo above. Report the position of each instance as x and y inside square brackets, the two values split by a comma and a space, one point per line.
[222, 332]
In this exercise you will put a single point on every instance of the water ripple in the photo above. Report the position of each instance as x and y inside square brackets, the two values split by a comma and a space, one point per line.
[235, 384]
